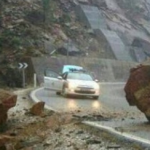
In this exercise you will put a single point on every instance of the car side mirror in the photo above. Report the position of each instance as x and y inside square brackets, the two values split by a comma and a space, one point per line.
[96, 80]
[59, 77]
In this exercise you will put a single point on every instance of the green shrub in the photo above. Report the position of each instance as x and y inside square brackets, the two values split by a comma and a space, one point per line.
[8, 39]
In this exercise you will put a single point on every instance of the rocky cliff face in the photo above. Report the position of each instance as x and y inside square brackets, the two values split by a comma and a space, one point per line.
[21, 28]
[34, 28]
[39, 27]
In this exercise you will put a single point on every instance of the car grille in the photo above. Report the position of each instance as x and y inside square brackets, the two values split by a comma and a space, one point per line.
[85, 90]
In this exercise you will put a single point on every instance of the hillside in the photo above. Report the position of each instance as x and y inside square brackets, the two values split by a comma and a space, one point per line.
[38, 28]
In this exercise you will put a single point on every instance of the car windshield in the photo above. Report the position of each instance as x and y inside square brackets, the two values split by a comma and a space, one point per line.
[79, 76]
[50, 73]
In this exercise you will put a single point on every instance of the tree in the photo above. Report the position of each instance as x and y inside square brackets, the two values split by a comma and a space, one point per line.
[46, 8]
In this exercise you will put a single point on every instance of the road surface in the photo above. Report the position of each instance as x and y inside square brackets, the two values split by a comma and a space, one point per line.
[111, 103]
[112, 99]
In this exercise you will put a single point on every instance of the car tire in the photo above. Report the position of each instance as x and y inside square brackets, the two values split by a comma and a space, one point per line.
[148, 118]
[58, 93]
[63, 92]
[95, 97]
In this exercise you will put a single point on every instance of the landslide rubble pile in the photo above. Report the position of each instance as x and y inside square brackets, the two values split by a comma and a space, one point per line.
[33, 128]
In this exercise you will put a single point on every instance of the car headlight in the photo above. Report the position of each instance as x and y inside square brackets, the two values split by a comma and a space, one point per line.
[71, 85]
[97, 87]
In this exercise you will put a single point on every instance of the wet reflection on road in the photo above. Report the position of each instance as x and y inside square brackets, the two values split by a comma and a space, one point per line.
[59, 103]
[96, 105]
[74, 104]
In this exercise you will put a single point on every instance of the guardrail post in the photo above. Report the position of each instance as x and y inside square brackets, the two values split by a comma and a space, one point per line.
[35, 83]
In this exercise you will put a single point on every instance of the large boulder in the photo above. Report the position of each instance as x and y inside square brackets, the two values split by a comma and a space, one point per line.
[7, 101]
[137, 89]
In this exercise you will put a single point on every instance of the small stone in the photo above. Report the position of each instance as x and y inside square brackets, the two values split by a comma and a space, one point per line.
[93, 142]
[113, 146]
[37, 109]
[58, 130]
[80, 132]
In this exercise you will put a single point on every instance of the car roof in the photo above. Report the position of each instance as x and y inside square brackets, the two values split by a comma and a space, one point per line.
[68, 68]
[79, 71]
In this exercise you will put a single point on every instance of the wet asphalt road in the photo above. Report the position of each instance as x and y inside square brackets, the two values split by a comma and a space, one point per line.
[112, 102]
[112, 99]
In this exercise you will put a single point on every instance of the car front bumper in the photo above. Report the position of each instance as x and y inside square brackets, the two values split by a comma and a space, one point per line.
[72, 91]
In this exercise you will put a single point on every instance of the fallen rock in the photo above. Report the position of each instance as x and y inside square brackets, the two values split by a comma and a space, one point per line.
[93, 142]
[7, 101]
[113, 147]
[3, 115]
[143, 100]
[4, 139]
[37, 109]
[138, 79]
[137, 89]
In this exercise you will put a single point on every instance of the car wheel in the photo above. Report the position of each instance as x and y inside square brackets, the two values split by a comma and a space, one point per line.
[58, 93]
[95, 97]
[148, 118]
[64, 92]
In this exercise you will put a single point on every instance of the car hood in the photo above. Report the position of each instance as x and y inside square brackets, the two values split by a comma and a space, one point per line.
[83, 83]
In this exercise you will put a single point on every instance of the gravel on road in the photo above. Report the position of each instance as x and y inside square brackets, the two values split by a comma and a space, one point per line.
[56, 131]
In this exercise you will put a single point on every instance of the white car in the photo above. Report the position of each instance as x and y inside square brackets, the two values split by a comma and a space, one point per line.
[72, 83]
